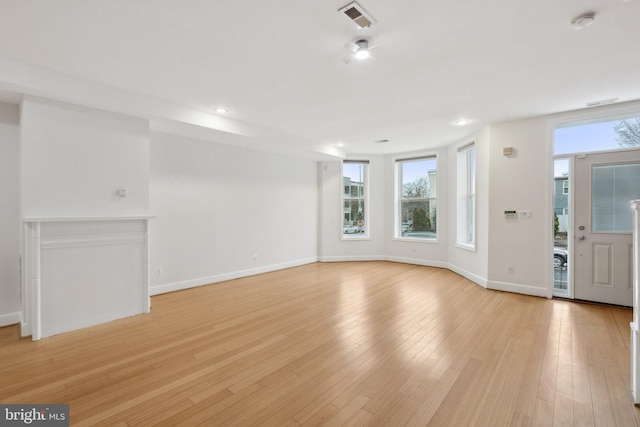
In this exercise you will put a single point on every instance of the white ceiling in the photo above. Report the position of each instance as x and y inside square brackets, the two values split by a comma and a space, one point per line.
[277, 64]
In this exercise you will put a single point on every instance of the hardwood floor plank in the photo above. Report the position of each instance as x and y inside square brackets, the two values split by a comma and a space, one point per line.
[543, 413]
[451, 401]
[321, 416]
[348, 412]
[525, 399]
[563, 402]
[359, 343]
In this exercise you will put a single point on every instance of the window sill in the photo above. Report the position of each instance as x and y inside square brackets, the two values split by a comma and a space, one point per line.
[415, 240]
[471, 248]
[354, 238]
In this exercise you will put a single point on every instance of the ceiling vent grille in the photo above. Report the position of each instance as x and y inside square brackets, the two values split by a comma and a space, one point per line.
[358, 15]
[603, 102]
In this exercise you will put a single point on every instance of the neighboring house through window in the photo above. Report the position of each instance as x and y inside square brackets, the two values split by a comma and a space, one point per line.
[416, 195]
[354, 198]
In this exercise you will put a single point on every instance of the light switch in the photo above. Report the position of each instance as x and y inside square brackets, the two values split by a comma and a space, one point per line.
[524, 214]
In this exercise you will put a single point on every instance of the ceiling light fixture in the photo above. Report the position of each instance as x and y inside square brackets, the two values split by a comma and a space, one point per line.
[381, 141]
[583, 21]
[360, 49]
[363, 49]
[462, 122]
[221, 110]
[362, 53]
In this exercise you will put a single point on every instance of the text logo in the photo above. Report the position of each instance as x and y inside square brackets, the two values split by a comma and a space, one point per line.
[34, 415]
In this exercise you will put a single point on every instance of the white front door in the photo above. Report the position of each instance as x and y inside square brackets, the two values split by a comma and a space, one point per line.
[605, 184]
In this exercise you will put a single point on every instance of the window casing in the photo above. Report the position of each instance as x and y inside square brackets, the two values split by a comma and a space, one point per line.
[416, 196]
[355, 199]
[466, 197]
[565, 186]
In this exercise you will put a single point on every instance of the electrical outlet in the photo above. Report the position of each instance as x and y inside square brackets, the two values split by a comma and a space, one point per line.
[160, 271]
[510, 269]
[255, 257]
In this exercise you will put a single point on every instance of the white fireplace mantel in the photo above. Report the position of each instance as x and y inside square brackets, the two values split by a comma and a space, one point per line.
[81, 271]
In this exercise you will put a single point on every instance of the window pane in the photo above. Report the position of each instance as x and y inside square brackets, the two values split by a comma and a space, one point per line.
[604, 135]
[354, 216]
[354, 198]
[470, 220]
[416, 197]
[353, 178]
[419, 178]
[418, 218]
[465, 197]
[614, 186]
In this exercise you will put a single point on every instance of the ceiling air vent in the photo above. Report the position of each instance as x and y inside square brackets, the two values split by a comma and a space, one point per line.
[602, 102]
[358, 15]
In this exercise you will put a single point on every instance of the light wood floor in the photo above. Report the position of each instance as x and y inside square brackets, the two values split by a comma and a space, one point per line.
[370, 343]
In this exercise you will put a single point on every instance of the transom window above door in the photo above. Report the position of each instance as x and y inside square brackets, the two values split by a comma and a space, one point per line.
[600, 134]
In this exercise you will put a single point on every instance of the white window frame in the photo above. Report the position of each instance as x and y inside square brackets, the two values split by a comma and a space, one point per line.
[466, 200]
[398, 198]
[365, 198]
[565, 187]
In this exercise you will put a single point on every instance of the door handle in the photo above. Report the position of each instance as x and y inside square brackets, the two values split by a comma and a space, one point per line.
[580, 237]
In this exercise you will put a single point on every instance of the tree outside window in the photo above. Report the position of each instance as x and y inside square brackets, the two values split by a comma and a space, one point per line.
[417, 198]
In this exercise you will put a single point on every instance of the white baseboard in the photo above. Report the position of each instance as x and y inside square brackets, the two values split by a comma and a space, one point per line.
[352, 258]
[468, 275]
[10, 319]
[186, 284]
[415, 261]
[518, 289]
[426, 263]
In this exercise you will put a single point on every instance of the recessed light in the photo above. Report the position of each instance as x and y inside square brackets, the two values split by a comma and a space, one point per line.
[381, 141]
[340, 144]
[462, 122]
[221, 110]
[583, 21]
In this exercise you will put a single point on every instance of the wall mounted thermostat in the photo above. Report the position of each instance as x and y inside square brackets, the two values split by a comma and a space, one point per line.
[510, 214]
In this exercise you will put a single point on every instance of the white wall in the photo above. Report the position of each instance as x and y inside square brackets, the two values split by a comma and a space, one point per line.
[216, 206]
[9, 215]
[520, 182]
[74, 159]
[471, 264]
